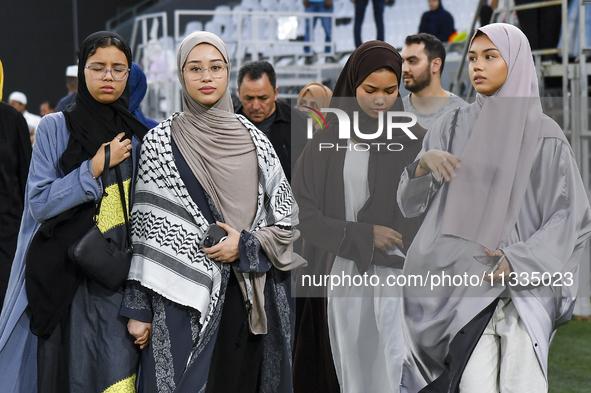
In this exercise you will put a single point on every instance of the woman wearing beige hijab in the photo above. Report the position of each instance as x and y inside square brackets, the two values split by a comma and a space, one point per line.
[316, 96]
[211, 319]
[506, 220]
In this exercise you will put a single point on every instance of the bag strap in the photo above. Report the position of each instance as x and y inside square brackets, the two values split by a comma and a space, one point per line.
[105, 174]
[124, 205]
[104, 180]
[452, 133]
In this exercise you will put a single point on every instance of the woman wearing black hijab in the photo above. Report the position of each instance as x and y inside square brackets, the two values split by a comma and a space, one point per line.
[82, 342]
[351, 226]
[438, 21]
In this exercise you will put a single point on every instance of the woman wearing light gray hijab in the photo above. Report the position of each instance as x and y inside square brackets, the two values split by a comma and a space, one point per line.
[506, 220]
[211, 319]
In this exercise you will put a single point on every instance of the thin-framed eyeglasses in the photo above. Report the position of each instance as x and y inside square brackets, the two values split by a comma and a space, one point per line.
[99, 72]
[216, 70]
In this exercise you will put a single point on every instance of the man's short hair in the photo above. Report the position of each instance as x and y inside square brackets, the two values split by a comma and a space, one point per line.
[51, 104]
[255, 71]
[72, 83]
[433, 47]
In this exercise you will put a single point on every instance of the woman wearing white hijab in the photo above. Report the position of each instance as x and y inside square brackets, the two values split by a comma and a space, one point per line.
[216, 319]
[506, 181]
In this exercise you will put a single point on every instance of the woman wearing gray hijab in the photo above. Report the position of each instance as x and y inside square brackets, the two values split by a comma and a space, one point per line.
[507, 217]
[211, 319]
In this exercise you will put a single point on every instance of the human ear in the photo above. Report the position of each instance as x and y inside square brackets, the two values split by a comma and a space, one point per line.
[436, 65]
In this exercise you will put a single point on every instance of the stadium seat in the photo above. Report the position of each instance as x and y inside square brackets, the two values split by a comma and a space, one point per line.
[192, 27]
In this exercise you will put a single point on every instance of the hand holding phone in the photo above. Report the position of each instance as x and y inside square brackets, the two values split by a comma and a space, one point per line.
[496, 267]
[500, 269]
[214, 235]
[225, 243]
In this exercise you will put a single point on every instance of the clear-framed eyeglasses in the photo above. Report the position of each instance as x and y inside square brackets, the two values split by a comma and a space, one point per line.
[99, 72]
[216, 70]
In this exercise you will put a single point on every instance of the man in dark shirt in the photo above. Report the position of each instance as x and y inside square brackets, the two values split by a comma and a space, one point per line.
[283, 125]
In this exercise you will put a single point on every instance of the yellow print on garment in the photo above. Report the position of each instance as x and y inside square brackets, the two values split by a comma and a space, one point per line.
[111, 213]
[125, 386]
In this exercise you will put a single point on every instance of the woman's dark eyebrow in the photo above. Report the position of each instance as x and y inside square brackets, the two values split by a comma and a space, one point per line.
[486, 50]
[373, 87]
[102, 63]
[199, 61]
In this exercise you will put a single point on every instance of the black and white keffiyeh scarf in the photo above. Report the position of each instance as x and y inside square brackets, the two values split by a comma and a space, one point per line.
[168, 227]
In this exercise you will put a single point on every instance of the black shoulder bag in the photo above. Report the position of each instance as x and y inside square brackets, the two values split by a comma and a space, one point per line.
[100, 258]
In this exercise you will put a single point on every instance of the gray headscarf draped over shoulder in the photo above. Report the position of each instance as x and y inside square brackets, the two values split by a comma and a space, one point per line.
[484, 200]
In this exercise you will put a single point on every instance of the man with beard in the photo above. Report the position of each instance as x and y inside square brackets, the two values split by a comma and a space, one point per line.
[423, 59]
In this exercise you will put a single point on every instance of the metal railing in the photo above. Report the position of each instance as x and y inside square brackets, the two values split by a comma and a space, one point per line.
[246, 39]
[129, 13]
[249, 35]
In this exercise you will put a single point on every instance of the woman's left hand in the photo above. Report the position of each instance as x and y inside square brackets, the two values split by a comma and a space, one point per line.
[226, 251]
[503, 269]
[142, 331]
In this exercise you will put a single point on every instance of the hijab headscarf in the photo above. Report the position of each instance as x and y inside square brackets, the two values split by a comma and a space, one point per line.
[138, 87]
[485, 198]
[218, 148]
[321, 94]
[368, 58]
[384, 168]
[92, 123]
[51, 278]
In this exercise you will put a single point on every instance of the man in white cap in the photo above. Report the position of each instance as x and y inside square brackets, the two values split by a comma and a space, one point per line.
[72, 85]
[19, 101]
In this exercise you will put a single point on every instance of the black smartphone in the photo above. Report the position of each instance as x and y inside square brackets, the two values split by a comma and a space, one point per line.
[213, 236]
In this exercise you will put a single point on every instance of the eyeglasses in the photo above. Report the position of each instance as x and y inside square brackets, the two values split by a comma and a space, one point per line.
[216, 70]
[99, 72]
